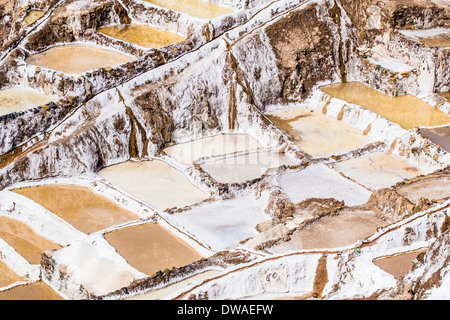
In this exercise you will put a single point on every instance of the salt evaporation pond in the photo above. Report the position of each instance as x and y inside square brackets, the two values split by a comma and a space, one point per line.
[151, 247]
[221, 225]
[84, 209]
[407, 111]
[245, 167]
[195, 8]
[439, 136]
[435, 38]
[189, 152]
[319, 181]
[142, 35]
[7, 276]
[398, 265]
[316, 133]
[334, 231]
[77, 58]
[33, 16]
[378, 170]
[155, 182]
[446, 95]
[28, 243]
[34, 291]
[432, 189]
[19, 99]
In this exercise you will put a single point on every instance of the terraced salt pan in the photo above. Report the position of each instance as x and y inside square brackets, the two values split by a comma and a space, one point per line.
[319, 181]
[398, 265]
[378, 170]
[189, 152]
[435, 38]
[432, 189]
[439, 136]
[316, 133]
[7, 276]
[77, 59]
[407, 111]
[33, 16]
[332, 232]
[155, 182]
[142, 35]
[19, 99]
[80, 206]
[151, 247]
[446, 95]
[33, 291]
[246, 167]
[221, 225]
[29, 244]
[195, 8]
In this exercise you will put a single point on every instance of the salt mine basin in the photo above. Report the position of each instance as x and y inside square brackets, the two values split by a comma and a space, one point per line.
[440, 136]
[189, 152]
[142, 35]
[24, 239]
[435, 38]
[407, 111]
[155, 182]
[151, 247]
[33, 16]
[245, 167]
[398, 265]
[196, 8]
[306, 127]
[77, 59]
[19, 99]
[33, 291]
[7, 276]
[84, 209]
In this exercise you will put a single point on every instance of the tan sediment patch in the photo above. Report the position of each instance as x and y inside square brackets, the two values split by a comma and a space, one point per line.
[18, 99]
[398, 265]
[195, 8]
[34, 291]
[7, 276]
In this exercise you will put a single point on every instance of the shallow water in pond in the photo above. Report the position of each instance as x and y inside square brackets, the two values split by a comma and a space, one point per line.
[18, 99]
[332, 232]
[378, 170]
[151, 247]
[195, 8]
[188, 152]
[24, 239]
[7, 276]
[76, 59]
[33, 291]
[432, 189]
[155, 182]
[142, 35]
[79, 206]
[33, 16]
[246, 167]
[446, 95]
[398, 265]
[435, 38]
[316, 133]
[407, 111]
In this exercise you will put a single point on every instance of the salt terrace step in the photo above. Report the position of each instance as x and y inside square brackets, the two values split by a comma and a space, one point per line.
[142, 35]
[196, 8]
[19, 99]
[435, 38]
[77, 58]
[81, 207]
[407, 111]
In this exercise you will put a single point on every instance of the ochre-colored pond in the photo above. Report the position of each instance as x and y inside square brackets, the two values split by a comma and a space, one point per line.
[446, 95]
[34, 291]
[33, 16]
[316, 133]
[76, 59]
[398, 265]
[195, 8]
[407, 111]
[155, 182]
[18, 99]
[80, 206]
[7, 276]
[142, 35]
[24, 239]
[434, 38]
[151, 247]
